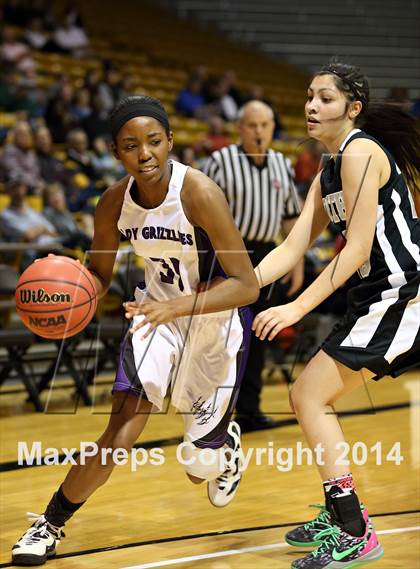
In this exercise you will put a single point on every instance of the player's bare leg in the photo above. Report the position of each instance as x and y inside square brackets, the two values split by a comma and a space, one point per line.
[127, 421]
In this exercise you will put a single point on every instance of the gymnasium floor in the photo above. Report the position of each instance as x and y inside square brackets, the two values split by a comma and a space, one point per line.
[155, 517]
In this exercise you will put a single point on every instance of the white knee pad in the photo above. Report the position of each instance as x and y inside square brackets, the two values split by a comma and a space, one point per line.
[204, 463]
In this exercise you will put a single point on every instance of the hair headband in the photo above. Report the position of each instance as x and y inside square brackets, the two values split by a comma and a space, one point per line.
[137, 109]
[352, 86]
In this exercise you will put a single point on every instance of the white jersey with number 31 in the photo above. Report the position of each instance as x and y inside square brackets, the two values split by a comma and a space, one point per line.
[177, 255]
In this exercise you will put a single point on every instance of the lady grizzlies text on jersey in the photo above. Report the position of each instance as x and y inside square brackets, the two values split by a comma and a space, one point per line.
[186, 259]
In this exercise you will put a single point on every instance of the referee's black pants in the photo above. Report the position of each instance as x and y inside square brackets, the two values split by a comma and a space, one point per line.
[248, 403]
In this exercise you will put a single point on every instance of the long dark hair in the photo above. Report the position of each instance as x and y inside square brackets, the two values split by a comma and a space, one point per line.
[389, 123]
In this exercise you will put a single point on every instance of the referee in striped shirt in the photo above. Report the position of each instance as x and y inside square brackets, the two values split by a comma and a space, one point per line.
[258, 184]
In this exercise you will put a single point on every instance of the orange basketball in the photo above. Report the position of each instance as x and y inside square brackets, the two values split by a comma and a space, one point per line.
[56, 297]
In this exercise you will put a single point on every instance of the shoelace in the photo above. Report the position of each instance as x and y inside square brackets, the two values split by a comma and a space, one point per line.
[223, 478]
[331, 535]
[323, 518]
[41, 527]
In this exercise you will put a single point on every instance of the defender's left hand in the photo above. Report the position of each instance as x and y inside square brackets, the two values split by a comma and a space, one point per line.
[154, 313]
[272, 321]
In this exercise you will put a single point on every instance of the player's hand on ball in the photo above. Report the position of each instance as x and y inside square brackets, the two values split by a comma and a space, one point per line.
[154, 313]
[269, 323]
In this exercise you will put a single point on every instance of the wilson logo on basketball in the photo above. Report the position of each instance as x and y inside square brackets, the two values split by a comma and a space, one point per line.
[46, 322]
[38, 296]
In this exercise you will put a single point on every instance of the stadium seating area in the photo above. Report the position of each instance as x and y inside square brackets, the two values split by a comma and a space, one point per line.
[381, 37]
[158, 51]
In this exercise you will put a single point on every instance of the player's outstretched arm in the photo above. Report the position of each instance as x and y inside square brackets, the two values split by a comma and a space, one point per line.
[311, 222]
[362, 164]
[106, 238]
[361, 170]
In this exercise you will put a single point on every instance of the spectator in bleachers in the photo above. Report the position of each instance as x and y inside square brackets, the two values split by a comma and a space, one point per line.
[109, 88]
[215, 139]
[19, 159]
[15, 52]
[52, 169]
[35, 34]
[188, 157]
[203, 75]
[217, 100]
[228, 106]
[29, 96]
[92, 80]
[18, 89]
[57, 213]
[8, 87]
[96, 123]
[58, 113]
[127, 85]
[105, 164]
[70, 38]
[61, 81]
[190, 99]
[81, 106]
[233, 90]
[78, 155]
[307, 165]
[86, 184]
[19, 222]
[27, 100]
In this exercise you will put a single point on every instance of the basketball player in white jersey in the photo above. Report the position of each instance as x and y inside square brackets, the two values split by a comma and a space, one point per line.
[181, 341]
[364, 191]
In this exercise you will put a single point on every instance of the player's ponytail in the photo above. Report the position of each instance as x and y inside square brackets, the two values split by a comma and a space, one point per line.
[399, 132]
[389, 123]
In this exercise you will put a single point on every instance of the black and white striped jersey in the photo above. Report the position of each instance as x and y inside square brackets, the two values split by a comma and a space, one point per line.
[382, 325]
[259, 197]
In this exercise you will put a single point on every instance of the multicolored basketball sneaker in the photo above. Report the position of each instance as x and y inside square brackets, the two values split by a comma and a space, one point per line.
[340, 550]
[304, 536]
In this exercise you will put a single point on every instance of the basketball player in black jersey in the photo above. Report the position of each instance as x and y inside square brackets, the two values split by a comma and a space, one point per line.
[363, 189]
[176, 218]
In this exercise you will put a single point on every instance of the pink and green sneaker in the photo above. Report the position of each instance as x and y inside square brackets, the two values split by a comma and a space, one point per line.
[340, 550]
[304, 536]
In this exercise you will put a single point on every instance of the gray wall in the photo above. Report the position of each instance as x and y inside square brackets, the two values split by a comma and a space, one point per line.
[383, 37]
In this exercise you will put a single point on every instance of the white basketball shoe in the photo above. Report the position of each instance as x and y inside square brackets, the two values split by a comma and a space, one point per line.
[222, 490]
[38, 543]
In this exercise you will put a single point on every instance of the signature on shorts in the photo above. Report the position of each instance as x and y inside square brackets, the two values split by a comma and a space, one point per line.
[202, 412]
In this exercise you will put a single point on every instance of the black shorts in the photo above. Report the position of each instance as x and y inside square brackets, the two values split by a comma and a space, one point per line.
[371, 357]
